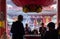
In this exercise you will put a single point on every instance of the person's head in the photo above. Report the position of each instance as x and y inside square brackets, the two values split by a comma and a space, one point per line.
[42, 24]
[51, 25]
[26, 25]
[20, 18]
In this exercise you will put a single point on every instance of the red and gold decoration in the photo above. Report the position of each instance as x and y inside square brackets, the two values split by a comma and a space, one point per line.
[33, 5]
[2, 17]
[2, 24]
[32, 8]
[35, 2]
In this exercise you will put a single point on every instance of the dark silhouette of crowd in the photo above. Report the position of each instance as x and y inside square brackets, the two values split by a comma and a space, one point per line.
[18, 31]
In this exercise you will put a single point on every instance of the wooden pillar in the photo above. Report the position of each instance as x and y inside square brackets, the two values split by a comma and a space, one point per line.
[2, 16]
[58, 11]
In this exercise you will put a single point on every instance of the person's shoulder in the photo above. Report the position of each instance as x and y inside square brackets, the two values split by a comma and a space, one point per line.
[15, 22]
[56, 31]
[40, 27]
[47, 32]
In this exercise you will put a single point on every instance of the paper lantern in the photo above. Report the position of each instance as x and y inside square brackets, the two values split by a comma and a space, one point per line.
[35, 2]
[31, 5]
[32, 8]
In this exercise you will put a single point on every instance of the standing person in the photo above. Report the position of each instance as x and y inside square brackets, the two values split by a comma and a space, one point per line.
[42, 30]
[17, 28]
[52, 33]
[27, 29]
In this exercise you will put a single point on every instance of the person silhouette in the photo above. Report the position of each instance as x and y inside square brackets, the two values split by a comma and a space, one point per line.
[42, 30]
[17, 28]
[52, 33]
[27, 29]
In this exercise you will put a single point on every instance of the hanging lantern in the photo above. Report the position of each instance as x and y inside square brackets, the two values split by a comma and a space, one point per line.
[32, 8]
[31, 5]
[35, 2]
[25, 9]
[39, 9]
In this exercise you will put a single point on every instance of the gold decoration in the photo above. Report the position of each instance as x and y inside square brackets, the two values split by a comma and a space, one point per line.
[39, 9]
[25, 9]
[1, 23]
[32, 8]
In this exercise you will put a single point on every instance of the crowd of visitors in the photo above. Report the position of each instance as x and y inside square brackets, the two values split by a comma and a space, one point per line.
[18, 31]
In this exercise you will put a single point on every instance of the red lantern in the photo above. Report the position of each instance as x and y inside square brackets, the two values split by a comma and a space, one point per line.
[35, 2]
[32, 8]
[33, 5]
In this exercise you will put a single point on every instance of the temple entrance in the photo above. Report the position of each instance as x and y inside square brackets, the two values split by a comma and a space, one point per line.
[33, 19]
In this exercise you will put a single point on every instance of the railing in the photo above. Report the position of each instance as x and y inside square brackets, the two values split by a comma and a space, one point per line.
[32, 36]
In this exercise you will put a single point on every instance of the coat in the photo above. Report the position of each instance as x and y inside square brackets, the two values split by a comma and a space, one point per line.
[17, 30]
